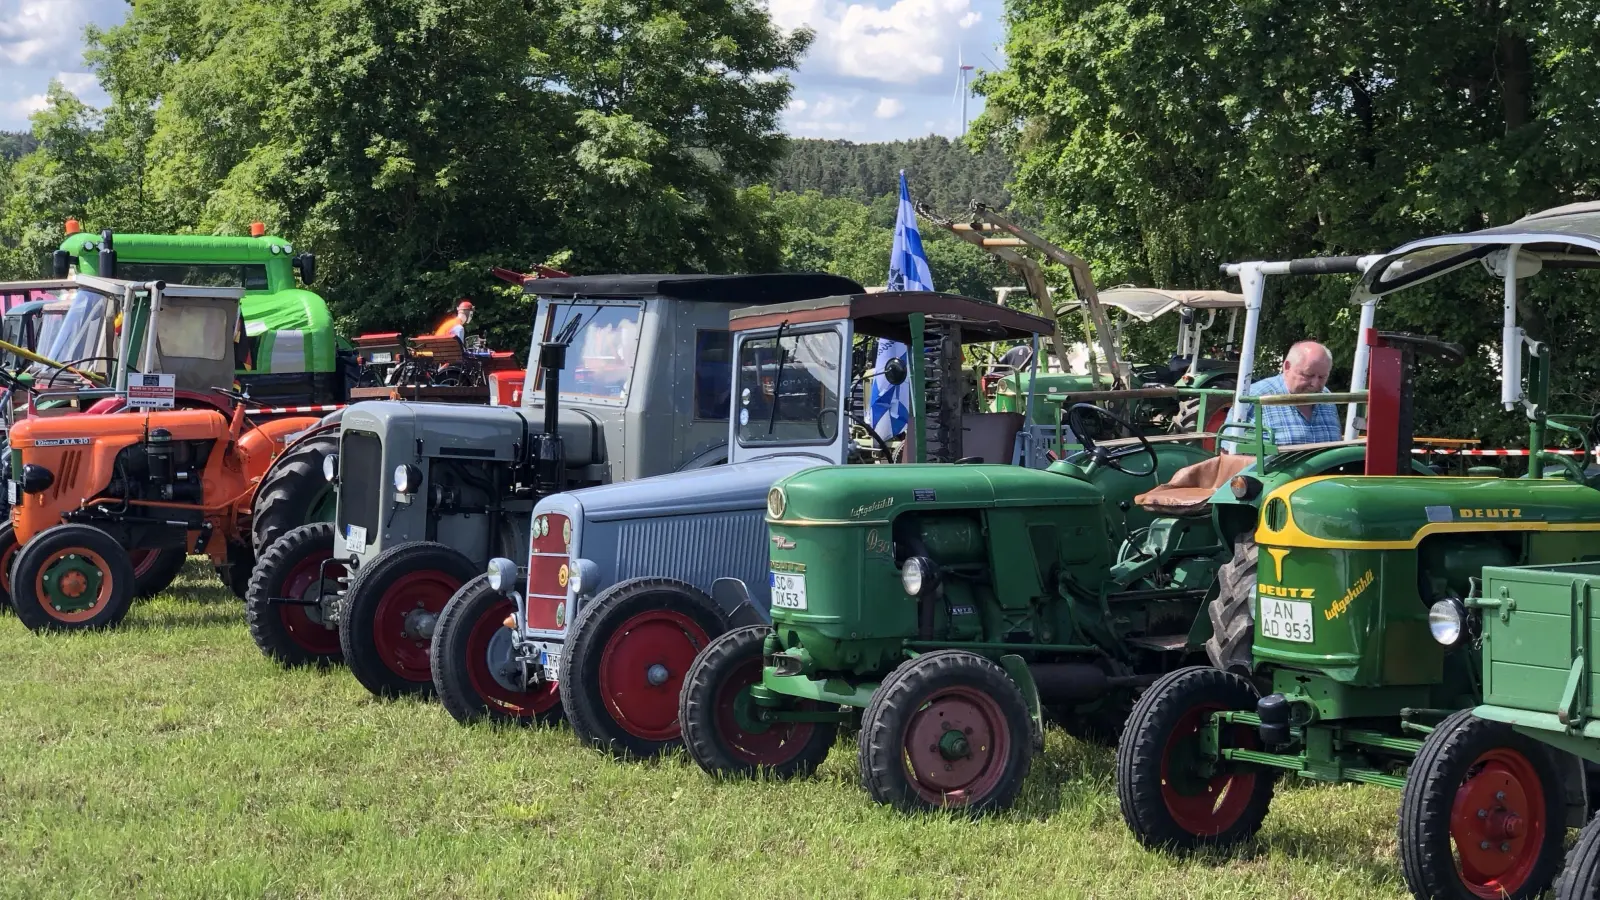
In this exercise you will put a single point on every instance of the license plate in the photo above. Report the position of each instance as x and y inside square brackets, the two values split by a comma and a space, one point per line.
[355, 539]
[11, 492]
[550, 661]
[381, 358]
[1285, 620]
[788, 590]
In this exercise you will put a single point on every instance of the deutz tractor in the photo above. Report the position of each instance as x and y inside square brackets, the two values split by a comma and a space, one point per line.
[1362, 645]
[89, 491]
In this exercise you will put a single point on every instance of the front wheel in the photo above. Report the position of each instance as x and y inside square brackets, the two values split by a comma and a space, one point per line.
[723, 729]
[1580, 877]
[1482, 814]
[475, 670]
[947, 730]
[72, 578]
[289, 591]
[8, 557]
[390, 613]
[1172, 795]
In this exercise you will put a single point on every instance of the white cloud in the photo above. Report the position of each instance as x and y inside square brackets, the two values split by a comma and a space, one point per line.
[45, 32]
[827, 115]
[888, 108]
[899, 44]
[20, 110]
[796, 106]
[81, 84]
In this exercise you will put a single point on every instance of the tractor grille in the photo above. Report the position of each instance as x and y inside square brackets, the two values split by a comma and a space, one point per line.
[362, 482]
[67, 478]
[547, 573]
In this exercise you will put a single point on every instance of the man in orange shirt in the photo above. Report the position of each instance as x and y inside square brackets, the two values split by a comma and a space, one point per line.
[456, 325]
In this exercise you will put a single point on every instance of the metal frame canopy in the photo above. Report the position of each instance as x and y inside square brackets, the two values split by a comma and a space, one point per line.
[1566, 237]
[888, 314]
[1149, 304]
[774, 287]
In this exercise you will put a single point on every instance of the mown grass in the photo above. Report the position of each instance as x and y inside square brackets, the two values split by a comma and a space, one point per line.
[170, 759]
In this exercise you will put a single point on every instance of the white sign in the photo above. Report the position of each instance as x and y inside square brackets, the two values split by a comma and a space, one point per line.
[11, 492]
[1285, 620]
[355, 539]
[788, 591]
[152, 391]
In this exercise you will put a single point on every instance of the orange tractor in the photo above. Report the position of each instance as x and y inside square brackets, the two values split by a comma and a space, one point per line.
[87, 493]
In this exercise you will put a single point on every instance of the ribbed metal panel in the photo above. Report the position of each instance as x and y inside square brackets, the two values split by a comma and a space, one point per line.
[697, 549]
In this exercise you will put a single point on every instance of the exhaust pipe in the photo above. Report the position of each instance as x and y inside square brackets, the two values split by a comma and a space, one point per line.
[551, 461]
[1080, 682]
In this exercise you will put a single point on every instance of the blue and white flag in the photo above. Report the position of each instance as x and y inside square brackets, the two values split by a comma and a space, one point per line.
[890, 404]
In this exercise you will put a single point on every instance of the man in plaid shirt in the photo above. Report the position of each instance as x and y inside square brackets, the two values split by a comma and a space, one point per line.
[1305, 371]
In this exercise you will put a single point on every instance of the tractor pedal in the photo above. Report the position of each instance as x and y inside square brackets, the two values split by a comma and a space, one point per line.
[1164, 643]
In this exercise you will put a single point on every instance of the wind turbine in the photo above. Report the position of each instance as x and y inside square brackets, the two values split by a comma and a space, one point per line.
[961, 89]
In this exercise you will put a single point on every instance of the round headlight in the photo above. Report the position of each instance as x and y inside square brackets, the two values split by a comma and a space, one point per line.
[913, 574]
[776, 503]
[330, 467]
[1445, 619]
[407, 479]
[575, 580]
[502, 574]
[539, 526]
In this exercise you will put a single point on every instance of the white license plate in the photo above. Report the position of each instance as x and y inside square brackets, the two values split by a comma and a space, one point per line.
[788, 591]
[11, 492]
[381, 358]
[550, 661]
[1285, 620]
[355, 539]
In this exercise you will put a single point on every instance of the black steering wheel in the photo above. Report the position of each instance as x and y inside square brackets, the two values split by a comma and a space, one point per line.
[62, 367]
[236, 396]
[1450, 354]
[1078, 416]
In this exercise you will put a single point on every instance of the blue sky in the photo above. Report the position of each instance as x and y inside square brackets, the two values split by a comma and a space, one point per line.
[879, 70]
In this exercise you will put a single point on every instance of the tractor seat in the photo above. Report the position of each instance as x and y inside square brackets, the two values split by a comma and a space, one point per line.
[1189, 492]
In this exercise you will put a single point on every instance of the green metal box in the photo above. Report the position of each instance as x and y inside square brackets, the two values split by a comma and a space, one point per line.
[1540, 629]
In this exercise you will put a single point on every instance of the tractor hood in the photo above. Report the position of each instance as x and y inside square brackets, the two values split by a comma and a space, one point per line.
[477, 432]
[712, 489]
[1396, 512]
[117, 428]
[877, 493]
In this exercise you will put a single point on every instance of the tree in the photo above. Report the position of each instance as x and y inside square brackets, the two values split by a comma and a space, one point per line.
[1162, 138]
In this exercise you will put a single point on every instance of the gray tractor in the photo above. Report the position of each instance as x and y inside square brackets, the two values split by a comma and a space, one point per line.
[634, 381]
[623, 580]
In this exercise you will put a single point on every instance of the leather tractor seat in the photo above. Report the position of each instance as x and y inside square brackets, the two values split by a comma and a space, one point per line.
[1189, 491]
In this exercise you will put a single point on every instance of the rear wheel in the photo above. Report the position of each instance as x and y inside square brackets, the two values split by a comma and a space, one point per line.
[625, 659]
[8, 557]
[1174, 797]
[722, 727]
[296, 634]
[295, 492]
[475, 671]
[1580, 877]
[235, 573]
[155, 570]
[947, 730]
[71, 578]
[390, 613]
[1188, 418]
[1232, 611]
[1482, 814]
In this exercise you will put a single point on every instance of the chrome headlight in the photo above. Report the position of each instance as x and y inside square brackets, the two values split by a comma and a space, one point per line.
[575, 580]
[502, 574]
[407, 479]
[776, 503]
[917, 575]
[1445, 620]
[330, 467]
[540, 526]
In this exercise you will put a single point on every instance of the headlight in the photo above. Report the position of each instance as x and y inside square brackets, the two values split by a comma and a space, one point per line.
[407, 479]
[539, 526]
[330, 467]
[575, 580]
[1445, 619]
[502, 574]
[35, 479]
[917, 575]
[776, 503]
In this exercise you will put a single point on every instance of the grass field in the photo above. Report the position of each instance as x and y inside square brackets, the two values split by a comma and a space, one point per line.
[170, 759]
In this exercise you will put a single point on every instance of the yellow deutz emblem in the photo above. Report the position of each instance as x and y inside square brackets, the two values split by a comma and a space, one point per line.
[561, 577]
[1278, 553]
[1503, 513]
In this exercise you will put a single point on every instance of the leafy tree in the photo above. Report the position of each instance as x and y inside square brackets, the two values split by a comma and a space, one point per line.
[1161, 138]
[944, 173]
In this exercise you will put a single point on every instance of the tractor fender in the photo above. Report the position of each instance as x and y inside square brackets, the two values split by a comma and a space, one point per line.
[715, 455]
[262, 445]
[733, 598]
[329, 422]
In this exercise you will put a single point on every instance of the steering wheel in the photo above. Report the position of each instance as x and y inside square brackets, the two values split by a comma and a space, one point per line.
[62, 367]
[1078, 416]
[1450, 354]
[233, 395]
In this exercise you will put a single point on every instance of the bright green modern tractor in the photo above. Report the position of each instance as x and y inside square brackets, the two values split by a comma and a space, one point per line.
[1360, 608]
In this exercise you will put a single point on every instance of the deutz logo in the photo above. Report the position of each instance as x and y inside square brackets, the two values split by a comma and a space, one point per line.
[1278, 590]
[1513, 513]
[782, 543]
[1278, 553]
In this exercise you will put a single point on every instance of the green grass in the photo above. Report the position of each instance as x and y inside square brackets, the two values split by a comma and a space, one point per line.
[170, 759]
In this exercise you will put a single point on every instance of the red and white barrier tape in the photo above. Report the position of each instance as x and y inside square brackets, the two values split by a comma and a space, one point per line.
[1432, 452]
[287, 410]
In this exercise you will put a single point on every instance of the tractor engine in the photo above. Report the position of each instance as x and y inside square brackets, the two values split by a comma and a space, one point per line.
[161, 469]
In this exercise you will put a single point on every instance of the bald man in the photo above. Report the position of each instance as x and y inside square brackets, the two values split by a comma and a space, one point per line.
[1305, 371]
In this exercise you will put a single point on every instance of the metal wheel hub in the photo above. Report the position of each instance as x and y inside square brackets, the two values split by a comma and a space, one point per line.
[72, 583]
[419, 624]
[657, 674]
[501, 661]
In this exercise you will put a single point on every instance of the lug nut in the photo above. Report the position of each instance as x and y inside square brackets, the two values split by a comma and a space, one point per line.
[1483, 814]
[1500, 795]
[1483, 845]
[1505, 847]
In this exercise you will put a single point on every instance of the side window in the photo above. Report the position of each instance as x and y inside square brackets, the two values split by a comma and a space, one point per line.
[713, 374]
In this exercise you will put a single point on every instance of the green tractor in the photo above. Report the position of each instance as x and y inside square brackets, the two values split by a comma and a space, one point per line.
[1358, 619]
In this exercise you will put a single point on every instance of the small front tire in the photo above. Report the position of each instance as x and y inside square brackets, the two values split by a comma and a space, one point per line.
[473, 665]
[72, 578]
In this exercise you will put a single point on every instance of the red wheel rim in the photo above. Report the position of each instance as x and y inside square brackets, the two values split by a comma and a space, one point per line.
[143, 561]
[773, 745]
[402, 624]
[1203, 807]
[1214, 421]
[956, 746]
[521, 704]
[308, 632]
[642, 698]
[8, 555]
[1497, 822]
[102, 597]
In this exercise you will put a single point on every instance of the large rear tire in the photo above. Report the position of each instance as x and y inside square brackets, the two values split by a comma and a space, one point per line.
[474, 671]
[155, 570]
[1580, 876]
[389, 615]
[293, 568]
[1232, 611]
[72, 578]
[625, 659]
[294, 492]
[8, 558]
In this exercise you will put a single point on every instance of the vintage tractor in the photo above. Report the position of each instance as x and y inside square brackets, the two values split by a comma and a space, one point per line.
[428, 492]
[1359, 617]
[87, 492]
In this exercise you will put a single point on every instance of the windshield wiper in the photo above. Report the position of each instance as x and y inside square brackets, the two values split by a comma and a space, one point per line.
[777, 383]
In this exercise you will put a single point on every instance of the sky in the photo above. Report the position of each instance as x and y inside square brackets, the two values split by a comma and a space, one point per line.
[879, 70]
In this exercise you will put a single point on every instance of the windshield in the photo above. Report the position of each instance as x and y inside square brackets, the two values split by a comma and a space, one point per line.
[76, 332]
[789, 389]
[605, 343]
[251, 277]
